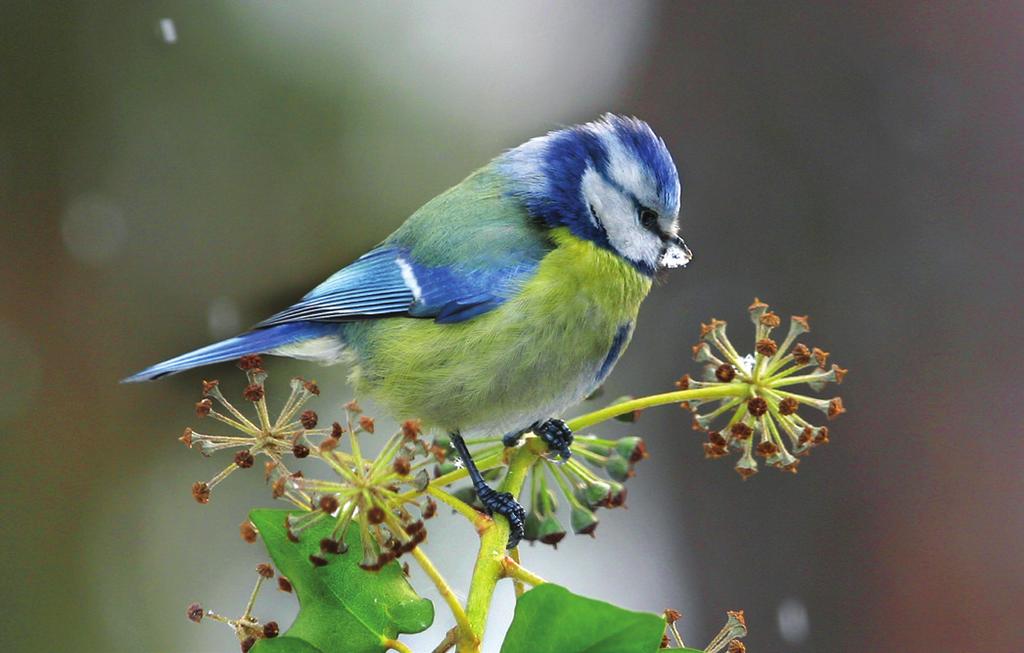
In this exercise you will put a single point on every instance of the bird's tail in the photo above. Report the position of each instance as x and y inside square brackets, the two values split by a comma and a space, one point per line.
[259, 341]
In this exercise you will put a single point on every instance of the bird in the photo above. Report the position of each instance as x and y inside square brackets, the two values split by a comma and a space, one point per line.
[501, 302]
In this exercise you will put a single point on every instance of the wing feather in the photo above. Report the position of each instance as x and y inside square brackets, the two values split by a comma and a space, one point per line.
[462, 254]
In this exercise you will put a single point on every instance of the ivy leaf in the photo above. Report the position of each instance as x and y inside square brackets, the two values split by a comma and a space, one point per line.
[551, 619]
[341, 606]
[285, 644]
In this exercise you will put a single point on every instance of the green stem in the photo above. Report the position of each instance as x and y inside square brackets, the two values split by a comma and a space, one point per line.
[476, 518]
[679, 396]
[517, 573]
[490, 567]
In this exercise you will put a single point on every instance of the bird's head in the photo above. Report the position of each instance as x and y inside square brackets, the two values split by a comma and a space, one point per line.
[611, 181]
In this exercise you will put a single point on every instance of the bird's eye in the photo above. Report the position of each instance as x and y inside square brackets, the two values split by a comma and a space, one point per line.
[649, 219]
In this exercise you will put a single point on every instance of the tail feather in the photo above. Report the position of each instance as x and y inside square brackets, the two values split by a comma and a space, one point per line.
[260, 341]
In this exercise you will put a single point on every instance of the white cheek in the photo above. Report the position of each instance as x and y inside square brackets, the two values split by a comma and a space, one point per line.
[618, 217]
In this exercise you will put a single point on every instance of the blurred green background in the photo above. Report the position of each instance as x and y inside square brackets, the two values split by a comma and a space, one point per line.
[172, 172]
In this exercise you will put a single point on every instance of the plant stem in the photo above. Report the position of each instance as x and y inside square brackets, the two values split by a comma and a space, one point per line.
[443, 588]
[448, 642]
[394, 644]
[485, 463]
[516, 572]
[490, 566]
[517, 584]
[712, 392]
[478, 519]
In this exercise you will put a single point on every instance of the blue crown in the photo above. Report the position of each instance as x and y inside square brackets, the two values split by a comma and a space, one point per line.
[545, 173]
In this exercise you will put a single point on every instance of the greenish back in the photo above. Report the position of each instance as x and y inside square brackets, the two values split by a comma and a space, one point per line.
[474, 225]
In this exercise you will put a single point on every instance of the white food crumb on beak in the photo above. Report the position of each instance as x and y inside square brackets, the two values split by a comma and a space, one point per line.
[675, 257]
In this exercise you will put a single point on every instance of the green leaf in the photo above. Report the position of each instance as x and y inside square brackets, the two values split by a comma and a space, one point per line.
[550, 618]
[285, 644]
[341, 606]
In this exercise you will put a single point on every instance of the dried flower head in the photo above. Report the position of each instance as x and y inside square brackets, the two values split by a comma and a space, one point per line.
[286, 435]
[757, 397]
[728, 637]
[247, 531]
[247, 628]
[368, 494]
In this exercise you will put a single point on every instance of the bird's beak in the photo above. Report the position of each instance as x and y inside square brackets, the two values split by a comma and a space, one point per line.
[676, 253]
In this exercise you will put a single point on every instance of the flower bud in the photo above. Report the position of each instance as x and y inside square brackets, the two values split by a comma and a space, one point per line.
[203, 407]
[253, 392]
[618, 467]
[201, 492]
[446, 467]
[757, 406]
[421, 480]
[746, 466]
[616, 496]
[725, 373]
[594, 494]
[584, 522]
[801, 354]
[401, 466]
[247, 531]
[550, 531]
[531, 526]
[442, 441]
[309, 419]
[631, 448]
[835, 408]
[757, 309]
[766, 347]
[702, 353]
[546, 499]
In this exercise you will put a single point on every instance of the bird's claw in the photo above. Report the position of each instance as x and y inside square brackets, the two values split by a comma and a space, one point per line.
[557, 435]
[505, 505]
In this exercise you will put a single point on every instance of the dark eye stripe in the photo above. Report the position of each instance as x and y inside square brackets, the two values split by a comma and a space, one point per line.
[649, 220]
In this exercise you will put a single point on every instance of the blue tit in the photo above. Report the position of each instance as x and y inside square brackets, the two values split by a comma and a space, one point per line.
[501, 302]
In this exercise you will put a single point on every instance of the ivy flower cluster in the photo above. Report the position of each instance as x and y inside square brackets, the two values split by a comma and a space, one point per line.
[382, 497]
[762, 417]
[591, 479]
[248, 629]
[277, 439]
[726, 641]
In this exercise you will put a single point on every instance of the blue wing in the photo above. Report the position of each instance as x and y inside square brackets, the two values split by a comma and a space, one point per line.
[389, 281]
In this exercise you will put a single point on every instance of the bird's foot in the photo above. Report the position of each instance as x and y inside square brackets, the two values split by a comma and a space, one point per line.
[557, 435]
[512, 439]
[505, 505]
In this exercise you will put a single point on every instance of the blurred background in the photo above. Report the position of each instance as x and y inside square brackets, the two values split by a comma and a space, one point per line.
[172, 172]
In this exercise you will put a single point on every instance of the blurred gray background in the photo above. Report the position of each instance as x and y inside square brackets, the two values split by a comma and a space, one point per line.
[172, 172]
